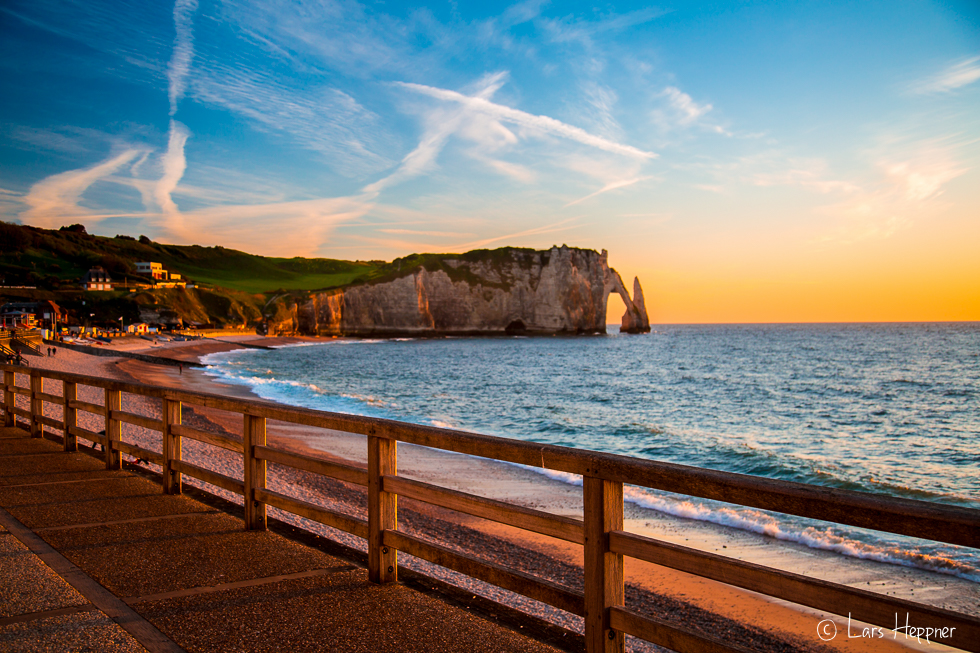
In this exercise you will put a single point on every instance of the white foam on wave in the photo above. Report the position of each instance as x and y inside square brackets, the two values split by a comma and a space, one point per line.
[370, 400]
[216, 358]
[762, 523]
[265, 387]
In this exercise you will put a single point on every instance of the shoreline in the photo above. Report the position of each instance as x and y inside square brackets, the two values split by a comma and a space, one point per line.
[515, 484]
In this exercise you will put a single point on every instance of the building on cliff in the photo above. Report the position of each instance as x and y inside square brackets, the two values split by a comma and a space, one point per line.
[563, 290]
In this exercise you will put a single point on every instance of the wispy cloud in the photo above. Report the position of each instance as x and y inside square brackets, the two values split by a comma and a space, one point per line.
[515, 171]
[810, 174]
[584, 32]
[174, 164]
[688, 110]
[923, 179]
[534, 124]
[65, 140]
[180, 61]
[683, 111]
[953, 77]
[325, 120]
[53, 201]
[622, 183]
[522, 12]
[909, 190]
[441, 125]
[600, 102]
[298, 228]
[11, 203]
[491, 129]
[554, 227]
[174, 161]
[340, 34]
[421, 232]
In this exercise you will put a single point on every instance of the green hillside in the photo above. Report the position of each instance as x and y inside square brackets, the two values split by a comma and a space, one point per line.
[53, 259]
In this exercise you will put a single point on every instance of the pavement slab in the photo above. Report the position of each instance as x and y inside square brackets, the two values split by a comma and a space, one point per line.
[221, 552]
[335, 612]
[148, 504]
[28, 584]
[87, 631]
[113, 564]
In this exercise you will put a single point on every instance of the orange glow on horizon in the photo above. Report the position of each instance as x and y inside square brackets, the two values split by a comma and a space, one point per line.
[926, 274]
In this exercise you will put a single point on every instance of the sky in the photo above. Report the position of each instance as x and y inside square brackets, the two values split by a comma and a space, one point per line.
[748, 161]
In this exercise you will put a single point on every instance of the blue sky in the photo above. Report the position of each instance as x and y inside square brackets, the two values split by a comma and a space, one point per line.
[725, 152]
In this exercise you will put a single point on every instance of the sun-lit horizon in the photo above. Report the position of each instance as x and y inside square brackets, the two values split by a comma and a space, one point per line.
[750, 163]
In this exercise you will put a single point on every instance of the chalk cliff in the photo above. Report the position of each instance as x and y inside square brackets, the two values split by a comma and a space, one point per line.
[558, 291]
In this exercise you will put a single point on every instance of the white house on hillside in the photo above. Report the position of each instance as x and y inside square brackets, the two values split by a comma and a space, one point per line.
[97, 279]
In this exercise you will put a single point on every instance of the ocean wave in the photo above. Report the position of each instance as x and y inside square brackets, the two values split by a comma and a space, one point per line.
[255, 382]
[367, 399]
[336, 342]
[219, 357]
[765, 524]
[746, 456]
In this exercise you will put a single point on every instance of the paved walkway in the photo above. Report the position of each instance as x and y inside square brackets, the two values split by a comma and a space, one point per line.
[103, 561]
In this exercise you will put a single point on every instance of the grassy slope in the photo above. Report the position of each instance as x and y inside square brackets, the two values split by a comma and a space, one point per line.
[266, 276]
[66, 255]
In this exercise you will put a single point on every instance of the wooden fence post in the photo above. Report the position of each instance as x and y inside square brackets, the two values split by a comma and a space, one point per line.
[172, 415]
[37, 406]
[603, 570]
[8, 399]
[69, 415]
[254, 434]
[382, 510]
[113, 429]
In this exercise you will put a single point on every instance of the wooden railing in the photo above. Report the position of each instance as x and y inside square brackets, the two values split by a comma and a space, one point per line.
[607, 618]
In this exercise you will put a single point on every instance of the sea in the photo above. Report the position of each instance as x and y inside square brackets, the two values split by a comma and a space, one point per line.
[891, 409]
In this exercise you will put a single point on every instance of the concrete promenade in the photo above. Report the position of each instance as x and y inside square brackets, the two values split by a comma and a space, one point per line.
[97, 560]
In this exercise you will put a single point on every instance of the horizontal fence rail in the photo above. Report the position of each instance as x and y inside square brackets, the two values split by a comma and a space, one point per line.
[605, 543]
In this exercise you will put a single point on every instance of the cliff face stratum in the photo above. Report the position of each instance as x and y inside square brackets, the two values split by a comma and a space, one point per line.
[518, 291]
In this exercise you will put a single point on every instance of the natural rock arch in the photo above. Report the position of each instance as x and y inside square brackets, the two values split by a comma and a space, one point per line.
[635, 319]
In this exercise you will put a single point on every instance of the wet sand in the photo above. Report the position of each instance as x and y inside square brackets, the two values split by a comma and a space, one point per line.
[656, 588]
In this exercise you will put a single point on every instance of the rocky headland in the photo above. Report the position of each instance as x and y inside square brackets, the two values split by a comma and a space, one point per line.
[509, 290]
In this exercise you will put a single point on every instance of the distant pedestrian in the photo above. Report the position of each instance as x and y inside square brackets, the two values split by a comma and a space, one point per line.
[55, 350]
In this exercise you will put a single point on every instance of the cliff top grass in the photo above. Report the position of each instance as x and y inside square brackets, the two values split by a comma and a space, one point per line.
[50, 258]
[500, 260]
